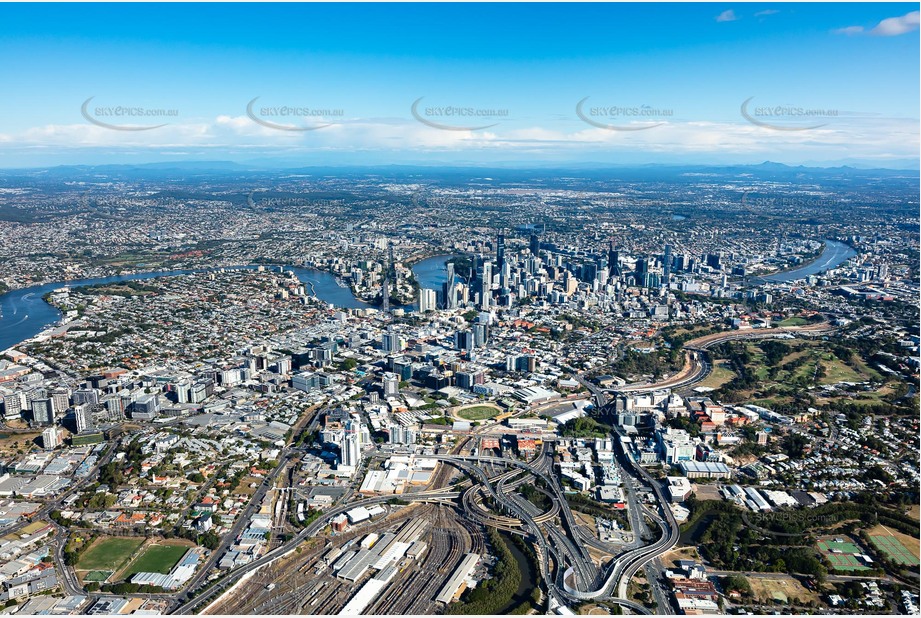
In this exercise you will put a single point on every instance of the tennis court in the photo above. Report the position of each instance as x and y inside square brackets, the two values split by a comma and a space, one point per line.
[894, 550]
[842, 554]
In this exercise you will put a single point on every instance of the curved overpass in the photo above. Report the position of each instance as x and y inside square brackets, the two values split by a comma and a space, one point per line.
[618, 572]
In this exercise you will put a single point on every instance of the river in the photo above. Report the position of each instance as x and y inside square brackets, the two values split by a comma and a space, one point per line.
[24, 314]
[835, 254]
[528, 576]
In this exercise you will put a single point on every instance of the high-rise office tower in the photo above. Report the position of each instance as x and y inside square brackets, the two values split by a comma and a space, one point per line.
[613, 261]
[391, 342]
[667, 265]
[449, 289]
[480, 334]
[535, 245]
[401, 435]
[43, 411]
[86, 395]
[350, 450]
[680, 262]
[60, 400]
[463, 340]
[570, 283]
[391, 384]
[642, 272]
[500, 252]
[486, 286]
[505, 275]
[84, 418]
[427, 300]
[50, 438]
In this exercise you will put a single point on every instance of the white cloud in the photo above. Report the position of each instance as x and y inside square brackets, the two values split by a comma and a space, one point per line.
[729, 15]
[849, 31]
[767, 12]
[895, 26]
[891, 26]
[375, 137]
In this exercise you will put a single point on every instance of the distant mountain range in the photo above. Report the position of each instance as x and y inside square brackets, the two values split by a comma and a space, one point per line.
[168, 168]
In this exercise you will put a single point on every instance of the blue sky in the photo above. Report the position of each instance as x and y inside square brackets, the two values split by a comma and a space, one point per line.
[826, 83]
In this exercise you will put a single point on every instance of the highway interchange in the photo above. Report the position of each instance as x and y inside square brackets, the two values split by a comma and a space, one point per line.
[569, 574]
[561, 544]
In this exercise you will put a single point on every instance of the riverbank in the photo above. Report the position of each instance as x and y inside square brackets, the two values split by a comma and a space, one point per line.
[24, 313]
[511, 589]
[834, 254]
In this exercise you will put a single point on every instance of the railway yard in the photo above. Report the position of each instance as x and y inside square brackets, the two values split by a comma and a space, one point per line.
[425, 548]
[304, 583]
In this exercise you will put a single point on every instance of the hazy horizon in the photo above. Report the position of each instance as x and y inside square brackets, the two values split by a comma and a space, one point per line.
[624, 84]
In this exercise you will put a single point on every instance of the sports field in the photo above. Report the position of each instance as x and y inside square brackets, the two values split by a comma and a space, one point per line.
[155, 559]
[108, 554]
[478, 413]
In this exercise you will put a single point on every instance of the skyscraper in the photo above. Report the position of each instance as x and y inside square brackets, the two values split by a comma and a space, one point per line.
[350, 447]
[43, 411]
[385, 295]
[391, 342]
[60, 400]
[427, 300]
[667, 265]
[642, 272]
[500, 252]
[535, 244]
[350, 450]
[391, 384]
[449, 289]
[50, 438]
[83, 418]
[480, 335]
[463, 340]
[613, 261]
[486, 286]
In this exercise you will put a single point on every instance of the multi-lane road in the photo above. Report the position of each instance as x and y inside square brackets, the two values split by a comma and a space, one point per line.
[564, 546]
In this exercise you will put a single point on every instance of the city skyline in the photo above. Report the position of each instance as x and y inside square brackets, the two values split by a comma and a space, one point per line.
[460, 309]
